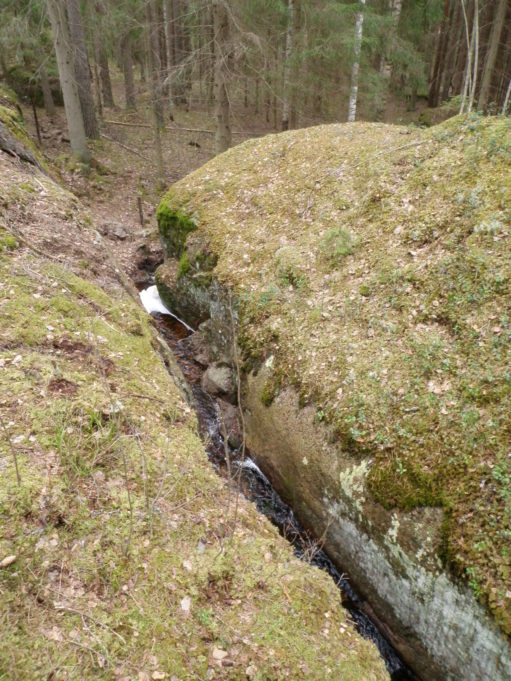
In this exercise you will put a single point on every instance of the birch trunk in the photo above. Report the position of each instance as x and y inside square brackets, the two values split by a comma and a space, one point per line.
[352, 108]
[506, 100]
[475, 40]
[64, 54]
[82, 70]
[467, 81]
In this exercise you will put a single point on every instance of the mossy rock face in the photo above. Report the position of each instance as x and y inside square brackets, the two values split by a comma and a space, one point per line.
[398, 325]
[14, 137]
[174, 227]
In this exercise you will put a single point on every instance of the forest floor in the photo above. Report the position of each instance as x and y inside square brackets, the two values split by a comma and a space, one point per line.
[125, 173]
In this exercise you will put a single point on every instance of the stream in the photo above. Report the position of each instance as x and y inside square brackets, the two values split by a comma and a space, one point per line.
[257, 488]
[254, 484]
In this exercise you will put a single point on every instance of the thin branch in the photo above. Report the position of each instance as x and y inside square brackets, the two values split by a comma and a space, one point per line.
[125, 146]
[92, 619]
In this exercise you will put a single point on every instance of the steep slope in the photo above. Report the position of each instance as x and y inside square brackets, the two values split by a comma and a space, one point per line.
[372, 269]
[118, 558]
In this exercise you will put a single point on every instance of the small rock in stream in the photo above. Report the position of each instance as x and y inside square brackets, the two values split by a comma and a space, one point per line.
[218, 380]
[198, 349]
[231, 421]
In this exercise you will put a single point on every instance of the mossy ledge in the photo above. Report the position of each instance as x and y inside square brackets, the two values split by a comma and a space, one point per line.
[112, 565]
[405, 337]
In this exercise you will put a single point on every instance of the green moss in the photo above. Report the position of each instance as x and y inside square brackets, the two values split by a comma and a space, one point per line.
[403, 484]
[270, 391]
[183, 266]
[174, 226]
[11, 117]
[8, 242]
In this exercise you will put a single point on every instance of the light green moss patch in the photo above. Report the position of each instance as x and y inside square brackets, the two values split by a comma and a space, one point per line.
[401, 325]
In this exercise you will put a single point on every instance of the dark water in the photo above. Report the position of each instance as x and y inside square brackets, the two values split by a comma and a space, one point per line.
[258, 489]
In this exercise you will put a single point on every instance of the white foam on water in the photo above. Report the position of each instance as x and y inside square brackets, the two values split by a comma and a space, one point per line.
[152, 303]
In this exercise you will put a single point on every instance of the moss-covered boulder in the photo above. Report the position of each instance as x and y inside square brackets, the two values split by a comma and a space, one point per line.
[119, 554]
[372, 265]
[13, 136]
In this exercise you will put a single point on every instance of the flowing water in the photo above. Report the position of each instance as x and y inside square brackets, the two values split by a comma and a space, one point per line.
[258, 489]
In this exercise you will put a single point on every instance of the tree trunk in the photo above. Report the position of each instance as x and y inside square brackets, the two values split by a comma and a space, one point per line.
[82, 69]
[127, 67]
[64, 54]
[385, 64]
[97, 90]
[154, 62]
[491, 55]
[168, 20]
[104, 74]
[3, 64]
[156, 104]
[469, 86]
[222, 48]
[434, 87]
[286, 85]
[475, 34]
[352, 107]
[49, 104]
[452, 55]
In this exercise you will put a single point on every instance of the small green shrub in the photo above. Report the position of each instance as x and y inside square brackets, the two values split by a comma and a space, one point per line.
[337, 244]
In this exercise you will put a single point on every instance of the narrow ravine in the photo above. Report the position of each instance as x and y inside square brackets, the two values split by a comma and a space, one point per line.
[258, 489]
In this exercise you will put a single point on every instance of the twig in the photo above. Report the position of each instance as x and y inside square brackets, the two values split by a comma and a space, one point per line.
[146, 397]
[237, 367]
[125, 146]
[130, 502]
[140, 211]
[63, 608]
[178, 128]
[84, 647]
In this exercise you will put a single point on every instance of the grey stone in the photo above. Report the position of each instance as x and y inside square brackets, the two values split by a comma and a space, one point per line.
[218, 380]
[114, 230]
[231, 423]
